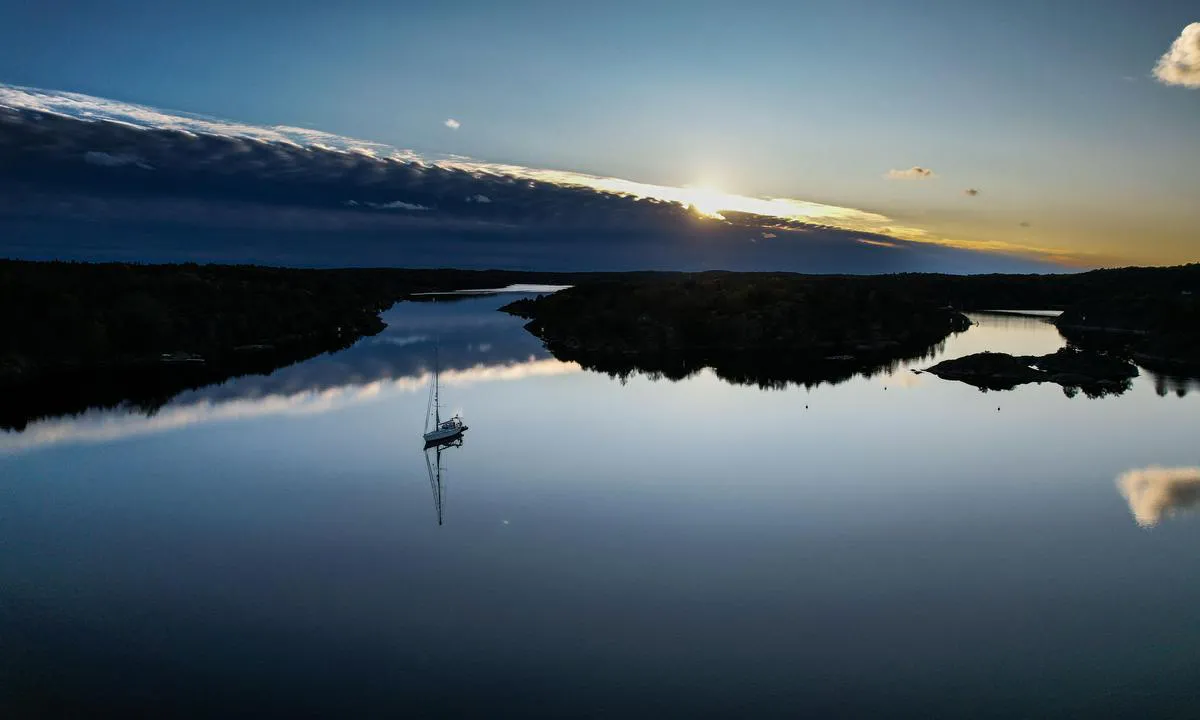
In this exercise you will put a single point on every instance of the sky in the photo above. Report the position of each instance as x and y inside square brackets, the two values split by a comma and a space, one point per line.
[1032, 126]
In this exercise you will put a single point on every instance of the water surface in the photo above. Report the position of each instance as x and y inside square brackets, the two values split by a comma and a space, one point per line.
[895, 545]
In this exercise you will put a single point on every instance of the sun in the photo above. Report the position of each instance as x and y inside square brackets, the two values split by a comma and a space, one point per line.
[706, 200]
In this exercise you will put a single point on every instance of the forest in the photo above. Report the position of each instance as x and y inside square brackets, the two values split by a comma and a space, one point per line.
[769, 328]
[80, 335]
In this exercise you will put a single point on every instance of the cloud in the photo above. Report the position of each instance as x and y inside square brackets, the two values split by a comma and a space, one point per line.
[392, 205]
[398, 341]
[211, 173]
[399, 205]
[876, 242]
[970, 192]
[452, 124]
[915, 172]
[104, 159]
[102, 110]
[1181, 63]
[1155, 493]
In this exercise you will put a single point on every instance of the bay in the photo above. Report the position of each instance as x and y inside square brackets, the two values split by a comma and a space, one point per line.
[888, 545]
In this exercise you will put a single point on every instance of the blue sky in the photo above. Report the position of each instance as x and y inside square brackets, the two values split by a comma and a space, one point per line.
[1048, 109]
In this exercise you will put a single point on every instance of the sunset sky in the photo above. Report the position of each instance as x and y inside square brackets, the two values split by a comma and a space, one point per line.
[1041, 128]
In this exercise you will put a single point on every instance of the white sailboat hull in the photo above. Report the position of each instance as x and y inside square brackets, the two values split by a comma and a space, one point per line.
[444, 434]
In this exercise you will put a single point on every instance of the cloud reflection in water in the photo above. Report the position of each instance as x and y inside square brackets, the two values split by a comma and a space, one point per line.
[1155, 493]
[102, 426]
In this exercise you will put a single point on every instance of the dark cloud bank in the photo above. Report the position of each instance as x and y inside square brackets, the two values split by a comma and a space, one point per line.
[98, 189]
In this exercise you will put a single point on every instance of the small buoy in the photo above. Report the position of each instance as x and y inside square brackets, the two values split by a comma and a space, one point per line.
[997, 409]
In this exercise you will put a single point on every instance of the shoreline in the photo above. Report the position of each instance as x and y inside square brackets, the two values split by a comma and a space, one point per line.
[81, 335]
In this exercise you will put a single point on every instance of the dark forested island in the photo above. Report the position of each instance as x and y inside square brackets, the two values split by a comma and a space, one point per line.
[80, 335]
[773, 328]
[759, 328]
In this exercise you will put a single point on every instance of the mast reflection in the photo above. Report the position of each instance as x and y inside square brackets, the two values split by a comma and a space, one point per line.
[434, 467]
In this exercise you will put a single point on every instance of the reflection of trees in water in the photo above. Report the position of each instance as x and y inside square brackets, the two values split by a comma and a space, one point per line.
[1180, 386]
[769, 330]
[1095, 392]
[766, 370]
[378, 359]
[470, 333]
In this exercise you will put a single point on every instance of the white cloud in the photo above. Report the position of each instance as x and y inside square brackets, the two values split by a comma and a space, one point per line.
[478, 199]
[782, 208]
[1181, 64]
[453, 124]
[398, 341]
[916, 172]
[878, 243]
[87, 107]
[1155, 493]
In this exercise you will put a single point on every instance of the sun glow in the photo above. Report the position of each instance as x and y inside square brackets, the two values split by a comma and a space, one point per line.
[707, 201]
[774, 213]
[713, 203]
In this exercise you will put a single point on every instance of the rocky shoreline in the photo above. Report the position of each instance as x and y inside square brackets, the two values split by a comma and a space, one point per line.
[1093, 372]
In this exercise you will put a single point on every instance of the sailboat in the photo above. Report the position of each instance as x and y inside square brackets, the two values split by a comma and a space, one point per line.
[443, 431]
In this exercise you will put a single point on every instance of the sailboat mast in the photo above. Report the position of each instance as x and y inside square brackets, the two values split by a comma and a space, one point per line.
[437, 411]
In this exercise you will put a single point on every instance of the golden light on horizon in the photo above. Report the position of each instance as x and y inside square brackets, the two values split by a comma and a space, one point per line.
[714, 203]
[707, 200]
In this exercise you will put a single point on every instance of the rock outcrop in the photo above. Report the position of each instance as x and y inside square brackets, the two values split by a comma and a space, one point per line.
[1093, 372]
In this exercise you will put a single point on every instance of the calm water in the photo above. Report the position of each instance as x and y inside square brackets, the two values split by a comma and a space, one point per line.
[895, 545]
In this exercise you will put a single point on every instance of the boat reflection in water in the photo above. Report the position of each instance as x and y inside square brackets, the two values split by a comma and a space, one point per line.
[434, 467]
